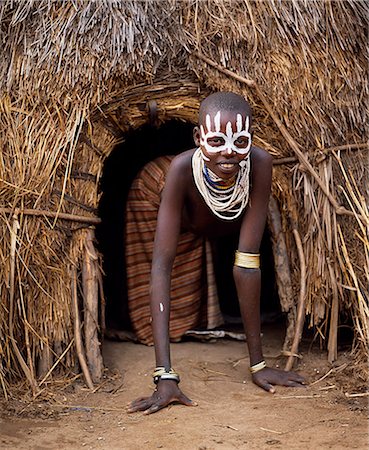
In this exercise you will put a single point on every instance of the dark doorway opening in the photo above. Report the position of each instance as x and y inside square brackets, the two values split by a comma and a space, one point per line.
[121, 167]
[141, 146]
[224, 250]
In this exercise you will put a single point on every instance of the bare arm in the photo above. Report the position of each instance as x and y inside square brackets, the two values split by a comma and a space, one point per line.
[165, 247]
[248, 281]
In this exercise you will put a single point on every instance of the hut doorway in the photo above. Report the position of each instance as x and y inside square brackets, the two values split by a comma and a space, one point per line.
[139, 147]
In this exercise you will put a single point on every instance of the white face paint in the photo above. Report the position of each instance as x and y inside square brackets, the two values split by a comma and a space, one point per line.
[229, 137]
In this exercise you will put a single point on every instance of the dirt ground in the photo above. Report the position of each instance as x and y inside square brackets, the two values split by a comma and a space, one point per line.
[232, 413]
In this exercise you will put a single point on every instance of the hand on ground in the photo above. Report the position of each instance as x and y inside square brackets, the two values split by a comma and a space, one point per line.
[167, 392]
[268, 377]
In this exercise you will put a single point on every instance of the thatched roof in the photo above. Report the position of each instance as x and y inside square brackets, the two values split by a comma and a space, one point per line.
[75, 75]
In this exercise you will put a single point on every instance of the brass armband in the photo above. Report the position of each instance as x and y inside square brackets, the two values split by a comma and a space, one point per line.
[247, 260]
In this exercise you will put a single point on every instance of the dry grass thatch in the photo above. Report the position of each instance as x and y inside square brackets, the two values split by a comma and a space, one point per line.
[76, 75]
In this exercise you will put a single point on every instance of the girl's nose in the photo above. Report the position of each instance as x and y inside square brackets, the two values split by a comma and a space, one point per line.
[228, 152]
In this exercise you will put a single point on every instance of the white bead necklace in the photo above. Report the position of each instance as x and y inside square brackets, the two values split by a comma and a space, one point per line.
[227, 204]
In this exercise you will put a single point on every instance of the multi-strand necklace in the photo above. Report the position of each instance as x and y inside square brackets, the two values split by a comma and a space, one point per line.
[226, 198]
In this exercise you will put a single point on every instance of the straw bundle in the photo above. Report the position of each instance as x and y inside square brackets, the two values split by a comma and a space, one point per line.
[75, 76]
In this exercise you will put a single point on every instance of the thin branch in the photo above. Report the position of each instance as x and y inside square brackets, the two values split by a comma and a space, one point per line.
[77, 332]
[228, 72]
[22, 363]
[42, 212]
[326, 151]
[301, 304]
[56, 362]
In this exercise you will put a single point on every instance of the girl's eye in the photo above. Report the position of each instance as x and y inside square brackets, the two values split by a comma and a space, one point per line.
[216, 142]
[241, 142]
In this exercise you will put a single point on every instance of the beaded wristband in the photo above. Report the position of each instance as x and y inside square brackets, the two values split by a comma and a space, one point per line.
[257, 367]
[160, 373]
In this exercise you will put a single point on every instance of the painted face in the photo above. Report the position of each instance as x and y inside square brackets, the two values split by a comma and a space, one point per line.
[217, 141]
[225, 142]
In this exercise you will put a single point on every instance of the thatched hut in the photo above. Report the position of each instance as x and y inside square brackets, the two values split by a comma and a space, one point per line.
[77, 76]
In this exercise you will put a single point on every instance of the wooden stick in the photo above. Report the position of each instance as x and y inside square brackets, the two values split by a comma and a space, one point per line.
[288, 353]
[281, 260]
[333, 325]
[286, 160]
[77, 331]
[22, 363]
[270, 431]
[2, 381]
[301, 304]
[227, 72]
[322, 378]
[45, 362]
[340, 148]
[30, 360]
[303, 396]
[326, 388]
[56, 363]
[293, 144]
[41, 212]
[91, 308]
[96, 408]
[292, 159]
[102, 302]
[360, 394]
[73, 201]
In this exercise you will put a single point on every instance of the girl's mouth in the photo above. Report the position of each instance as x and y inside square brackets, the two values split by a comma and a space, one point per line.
[227, 166]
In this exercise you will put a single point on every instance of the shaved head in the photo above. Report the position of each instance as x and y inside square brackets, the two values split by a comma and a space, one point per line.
[223, 101]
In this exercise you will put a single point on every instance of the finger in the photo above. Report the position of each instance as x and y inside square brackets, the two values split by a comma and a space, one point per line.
[300, 379]
[138, 400]
[266, 386]
[296, 377]
[186, 401]
[141, 406]
[154, 408]
[138, 403]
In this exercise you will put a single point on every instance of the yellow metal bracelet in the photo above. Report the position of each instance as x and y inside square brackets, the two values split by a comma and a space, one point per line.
[247, 260]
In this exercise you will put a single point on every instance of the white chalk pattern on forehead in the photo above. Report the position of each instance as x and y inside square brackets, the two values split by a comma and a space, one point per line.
[216, 121]
[239, 123]
[229, 136]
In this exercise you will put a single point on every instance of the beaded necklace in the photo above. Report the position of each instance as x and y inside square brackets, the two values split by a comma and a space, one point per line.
[226, 199]
[217, 183]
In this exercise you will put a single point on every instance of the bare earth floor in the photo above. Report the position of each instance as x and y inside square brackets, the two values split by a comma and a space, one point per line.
[232, 413]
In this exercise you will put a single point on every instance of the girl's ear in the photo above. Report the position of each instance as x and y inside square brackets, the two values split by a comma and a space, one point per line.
[196, 136]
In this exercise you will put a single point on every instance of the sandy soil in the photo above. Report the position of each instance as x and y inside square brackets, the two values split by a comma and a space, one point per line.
[232, 413]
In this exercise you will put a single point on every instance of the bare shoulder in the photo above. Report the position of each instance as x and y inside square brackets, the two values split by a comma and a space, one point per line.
[261, 167]
[181, 165]
[178, 176]
[261, 157]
